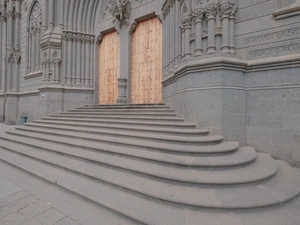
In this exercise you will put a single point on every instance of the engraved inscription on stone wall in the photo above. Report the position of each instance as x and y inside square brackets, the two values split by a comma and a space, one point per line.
[293, 32]
[274, 50]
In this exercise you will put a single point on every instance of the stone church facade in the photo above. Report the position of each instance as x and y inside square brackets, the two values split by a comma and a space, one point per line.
[229, 65]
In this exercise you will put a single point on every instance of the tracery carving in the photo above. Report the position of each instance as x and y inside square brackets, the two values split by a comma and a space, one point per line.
[36, 18]
[120, 10]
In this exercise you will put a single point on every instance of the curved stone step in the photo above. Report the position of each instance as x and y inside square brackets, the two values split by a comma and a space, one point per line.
[174, 131]
[147, 142]
[276, 190]
[127, 122]
[126, 134]
[262, 168]
[239, 157]
[161, 147]
[116, 117]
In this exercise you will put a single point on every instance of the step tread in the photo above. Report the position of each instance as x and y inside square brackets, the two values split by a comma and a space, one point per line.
[242, 156]
[120, 113]
[276, 190]
[262, 168]
[211, 139]
[185, 124]
[122, 127]
[125, 133]
[217, 148]
[146, 118]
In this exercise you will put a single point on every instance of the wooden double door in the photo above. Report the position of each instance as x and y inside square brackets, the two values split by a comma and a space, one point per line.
[146, 64]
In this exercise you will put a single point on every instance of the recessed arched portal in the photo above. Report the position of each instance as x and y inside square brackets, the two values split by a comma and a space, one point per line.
[147, 62]
[109, 68]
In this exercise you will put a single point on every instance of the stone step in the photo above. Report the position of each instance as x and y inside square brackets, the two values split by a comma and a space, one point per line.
[140, 140]
[116, 117]
[145, 110]
[126, 122]
[146, 129]
[125, 134]
[264, 167]
[243, 155]
[140, 145]
[133, 106]
[280, 188]
[128, 114]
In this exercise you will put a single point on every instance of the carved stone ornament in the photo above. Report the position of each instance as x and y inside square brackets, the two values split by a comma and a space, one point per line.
[132, 27]
[185, 22]
[120, 10]
[99, 39]
[198, 14]
[167, 6]
[211, 11]
[225, 9]
[25, 5]
[234, 9]
[36, 17]
[12, 54]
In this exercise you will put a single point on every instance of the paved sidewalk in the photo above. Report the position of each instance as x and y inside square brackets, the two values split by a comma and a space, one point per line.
[18, 207]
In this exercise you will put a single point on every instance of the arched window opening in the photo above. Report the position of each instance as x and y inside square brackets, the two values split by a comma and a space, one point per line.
[34, 38]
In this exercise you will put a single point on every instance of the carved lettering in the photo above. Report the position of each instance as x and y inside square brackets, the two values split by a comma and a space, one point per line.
[272, 36]
[274, 50]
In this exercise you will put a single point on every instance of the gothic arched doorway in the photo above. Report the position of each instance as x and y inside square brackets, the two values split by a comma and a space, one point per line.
[147, 62]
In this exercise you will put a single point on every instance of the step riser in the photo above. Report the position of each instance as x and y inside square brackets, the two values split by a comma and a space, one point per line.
[154, 111]
[123, 135]
[141, 129]
[66, 188]
[170, 125]
[132, 144]
[138, 114]
[167, 120]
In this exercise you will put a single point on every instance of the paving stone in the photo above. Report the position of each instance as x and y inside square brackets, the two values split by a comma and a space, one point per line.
[16, 206]
[34, 209]
[13, 219]
[12, 198]
[31, 222]
[7, 188]
[50, 217]
[67, 221]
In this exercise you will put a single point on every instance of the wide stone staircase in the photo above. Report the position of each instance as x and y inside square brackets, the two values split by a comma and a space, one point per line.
[149, 166]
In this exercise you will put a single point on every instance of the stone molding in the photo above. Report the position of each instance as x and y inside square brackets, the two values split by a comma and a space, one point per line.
[73, 36]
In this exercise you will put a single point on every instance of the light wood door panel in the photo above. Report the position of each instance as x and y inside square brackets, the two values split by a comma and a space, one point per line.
[109, 70]
[147, 62]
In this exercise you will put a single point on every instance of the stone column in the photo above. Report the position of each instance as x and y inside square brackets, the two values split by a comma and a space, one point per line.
[225, 9]
[211, 12]
[185, 25]
[122, 85]
[29, 50]
[231, 27]
[48, 64]
[33, 50]
[51, 15]
[78, 63]
[69, 41]
[17, 26]
[198, 15]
